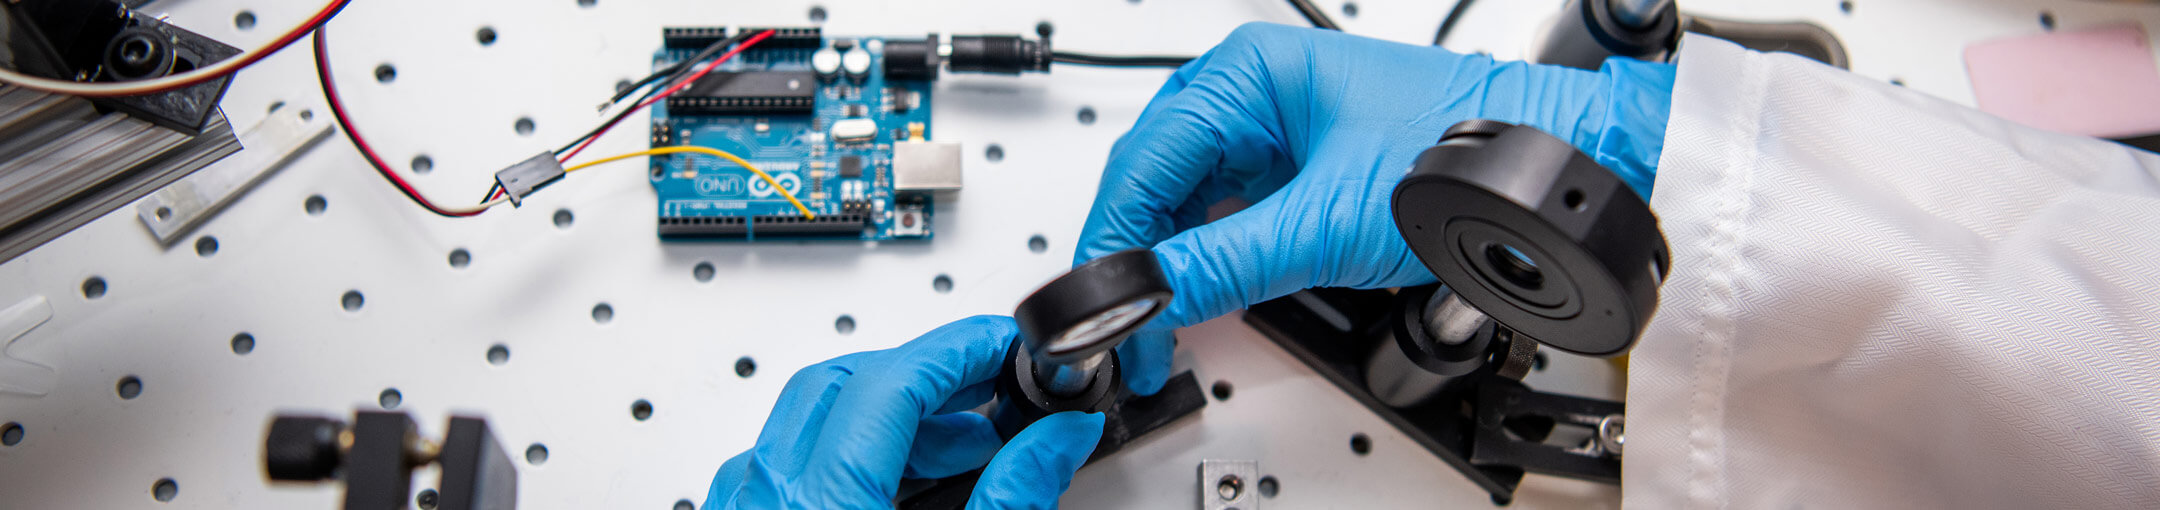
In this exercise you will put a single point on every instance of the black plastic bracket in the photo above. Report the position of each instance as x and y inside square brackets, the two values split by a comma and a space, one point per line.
[476, 473]
[378, 469]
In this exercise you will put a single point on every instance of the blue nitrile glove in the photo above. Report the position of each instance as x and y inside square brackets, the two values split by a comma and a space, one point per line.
[845, 431]
[1316, 127]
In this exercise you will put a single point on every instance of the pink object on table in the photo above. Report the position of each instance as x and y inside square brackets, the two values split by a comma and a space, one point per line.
[2096, 82]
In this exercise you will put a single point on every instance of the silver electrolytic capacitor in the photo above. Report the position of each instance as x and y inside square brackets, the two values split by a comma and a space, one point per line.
[826, 62]
[856, 63]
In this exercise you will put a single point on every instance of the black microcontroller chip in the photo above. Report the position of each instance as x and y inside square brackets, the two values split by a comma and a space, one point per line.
[851, 166]
[748, 92]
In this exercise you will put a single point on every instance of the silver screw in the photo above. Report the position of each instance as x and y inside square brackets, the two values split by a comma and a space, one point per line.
[1229, 487]
[1612, 433]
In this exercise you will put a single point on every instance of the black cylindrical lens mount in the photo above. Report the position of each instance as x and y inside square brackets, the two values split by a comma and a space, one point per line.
[1063, 359]
[1022, 400]
[1535, 234]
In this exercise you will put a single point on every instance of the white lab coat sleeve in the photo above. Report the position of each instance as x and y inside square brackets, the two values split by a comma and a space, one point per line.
[1880, 299]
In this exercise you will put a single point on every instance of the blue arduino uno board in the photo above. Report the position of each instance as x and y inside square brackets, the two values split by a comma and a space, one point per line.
[822, 118]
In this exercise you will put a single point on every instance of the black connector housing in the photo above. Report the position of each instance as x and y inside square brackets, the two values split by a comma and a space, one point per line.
[992, 54]
[797, 226]
[705, 227]
[691, 38]
[795, 37]
[912, 60]
[764, 226]
[998, 54]
[528, 176]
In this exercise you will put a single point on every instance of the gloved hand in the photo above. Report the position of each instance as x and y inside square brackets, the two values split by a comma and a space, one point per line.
[845, 431]
[1316, 127]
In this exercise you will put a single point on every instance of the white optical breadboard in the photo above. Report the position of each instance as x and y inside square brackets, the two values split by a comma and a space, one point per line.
[168, 317]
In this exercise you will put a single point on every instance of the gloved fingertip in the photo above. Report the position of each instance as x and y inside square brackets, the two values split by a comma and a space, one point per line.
[1191, 289]
[1144, 361]
[1062, 442]
[1068, 428]
[1036, 467]
[1239, 260]
[950, 444]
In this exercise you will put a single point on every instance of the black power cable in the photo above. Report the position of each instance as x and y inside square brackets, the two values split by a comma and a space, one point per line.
[1087, 59]
[1313, 14]
[1448, 25]
[337, 111]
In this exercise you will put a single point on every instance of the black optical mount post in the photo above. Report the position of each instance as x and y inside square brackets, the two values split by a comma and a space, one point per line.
[1534, 244]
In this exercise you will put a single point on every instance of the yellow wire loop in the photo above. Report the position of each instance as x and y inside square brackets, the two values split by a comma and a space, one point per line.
[709, 152]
